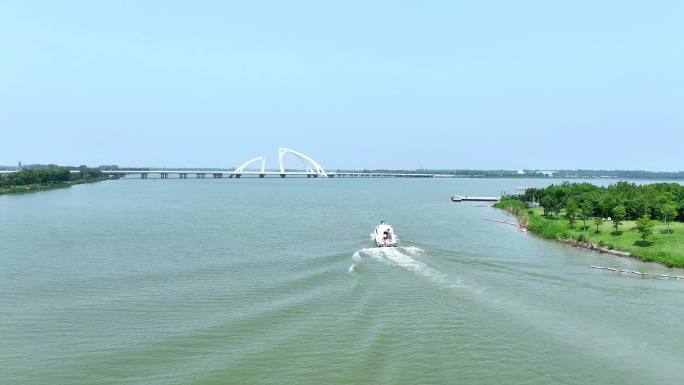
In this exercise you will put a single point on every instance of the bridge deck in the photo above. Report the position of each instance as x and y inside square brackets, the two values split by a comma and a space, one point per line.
[166, 174]
[200, 174]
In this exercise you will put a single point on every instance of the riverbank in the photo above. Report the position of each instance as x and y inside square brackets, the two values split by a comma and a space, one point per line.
[25, 189]
[662, 247]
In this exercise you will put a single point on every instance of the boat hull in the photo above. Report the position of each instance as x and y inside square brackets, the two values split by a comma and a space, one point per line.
[383, 236]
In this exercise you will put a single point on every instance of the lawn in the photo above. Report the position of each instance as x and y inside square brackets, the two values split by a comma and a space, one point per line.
[662, 247]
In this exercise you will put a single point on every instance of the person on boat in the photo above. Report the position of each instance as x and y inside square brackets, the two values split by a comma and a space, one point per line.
[385, 235]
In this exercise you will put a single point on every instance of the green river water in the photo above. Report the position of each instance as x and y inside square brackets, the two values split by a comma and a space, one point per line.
[270, 281]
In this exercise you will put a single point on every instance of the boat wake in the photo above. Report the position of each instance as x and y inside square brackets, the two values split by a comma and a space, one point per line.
[404, 257]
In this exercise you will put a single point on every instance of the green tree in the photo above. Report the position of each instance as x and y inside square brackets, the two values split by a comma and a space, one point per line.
[607, 204]
[669, 211]
[29, 176]
[645, 226]
[586, 210]
[548, 202]
[571, 211]
[89, 173]
[618, 216]
[598, 221]
[635, 207]
[661, 200]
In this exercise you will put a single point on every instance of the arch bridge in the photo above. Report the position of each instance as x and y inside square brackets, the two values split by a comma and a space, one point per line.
[238, 171]
[311, 169]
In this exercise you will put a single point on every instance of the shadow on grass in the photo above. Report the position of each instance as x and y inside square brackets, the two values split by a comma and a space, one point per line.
[617, 232]
[642, 243]
[666, 231]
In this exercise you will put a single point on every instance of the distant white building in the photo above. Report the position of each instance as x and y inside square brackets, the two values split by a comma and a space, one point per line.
[547, 173]
[521, 172]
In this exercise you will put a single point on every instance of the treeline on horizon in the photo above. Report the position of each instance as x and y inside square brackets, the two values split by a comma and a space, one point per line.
[53, 166]
[616, 174]
[664, 201]
[51, 175]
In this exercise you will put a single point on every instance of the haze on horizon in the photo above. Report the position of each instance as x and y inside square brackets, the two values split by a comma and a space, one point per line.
[403, 85]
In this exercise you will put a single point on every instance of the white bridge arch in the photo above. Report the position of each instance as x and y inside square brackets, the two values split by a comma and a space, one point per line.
[310, 165]
[241, 168]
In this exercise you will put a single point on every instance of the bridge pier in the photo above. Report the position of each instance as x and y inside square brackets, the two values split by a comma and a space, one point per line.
[200, 175]
[218, 175]
[282, 175]
[183, 175]
[262, 175]
[143, 175]
[164, 175]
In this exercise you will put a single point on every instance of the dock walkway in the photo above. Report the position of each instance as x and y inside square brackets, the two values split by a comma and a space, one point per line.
[465, 198]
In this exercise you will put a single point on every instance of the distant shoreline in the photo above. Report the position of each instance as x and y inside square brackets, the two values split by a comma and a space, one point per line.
[27, 189]
[542, 174]
[28, 180]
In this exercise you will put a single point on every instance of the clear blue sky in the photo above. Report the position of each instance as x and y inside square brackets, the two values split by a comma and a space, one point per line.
[393, 84]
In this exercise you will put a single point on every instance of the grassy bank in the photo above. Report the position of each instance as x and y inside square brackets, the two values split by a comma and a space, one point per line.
[663, 247]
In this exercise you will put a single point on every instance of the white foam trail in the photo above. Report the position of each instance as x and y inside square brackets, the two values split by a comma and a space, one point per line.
[396, 256]
[413, 251]
[403, 257]
[351, 269]
[357, 256]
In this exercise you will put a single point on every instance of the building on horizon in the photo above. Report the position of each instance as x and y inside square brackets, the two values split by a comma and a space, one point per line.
[547, 173]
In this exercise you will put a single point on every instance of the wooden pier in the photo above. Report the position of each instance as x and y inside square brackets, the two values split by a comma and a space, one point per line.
[466, 198]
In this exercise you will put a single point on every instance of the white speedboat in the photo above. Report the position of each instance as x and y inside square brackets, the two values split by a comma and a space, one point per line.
[384, 235]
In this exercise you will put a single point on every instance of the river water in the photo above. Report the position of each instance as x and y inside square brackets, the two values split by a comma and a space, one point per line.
[270, 281]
